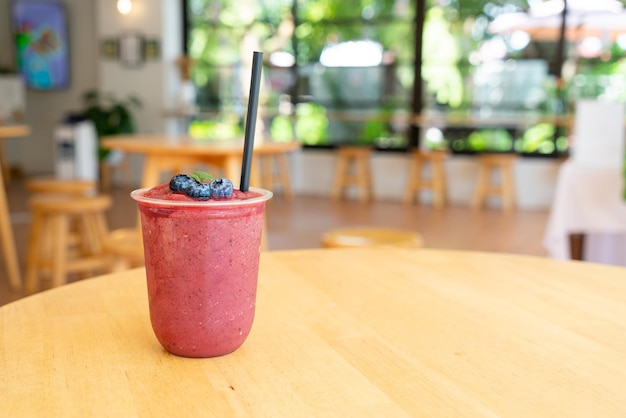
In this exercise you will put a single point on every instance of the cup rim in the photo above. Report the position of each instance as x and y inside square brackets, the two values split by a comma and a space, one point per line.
[138, 196]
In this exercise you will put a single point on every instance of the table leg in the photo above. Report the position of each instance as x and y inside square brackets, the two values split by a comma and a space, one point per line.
[231, 168]
[151, 171]
[255, 173]
[577, 246]
[8, 242]
[284, 175]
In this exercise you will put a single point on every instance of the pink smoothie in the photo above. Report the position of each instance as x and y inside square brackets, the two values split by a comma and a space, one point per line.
[202, 260]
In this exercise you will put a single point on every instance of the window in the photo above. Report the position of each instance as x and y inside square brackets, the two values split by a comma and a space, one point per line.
[344, 71]
[336, 71]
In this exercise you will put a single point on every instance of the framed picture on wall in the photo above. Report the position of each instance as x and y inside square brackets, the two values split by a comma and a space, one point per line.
[41, 43]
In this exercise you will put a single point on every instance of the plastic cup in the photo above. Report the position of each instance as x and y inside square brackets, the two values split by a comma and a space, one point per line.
[202, 262]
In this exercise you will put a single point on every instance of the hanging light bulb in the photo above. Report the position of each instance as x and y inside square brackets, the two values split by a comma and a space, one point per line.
[124, 6]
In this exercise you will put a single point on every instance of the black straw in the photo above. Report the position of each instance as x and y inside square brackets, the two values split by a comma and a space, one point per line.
[253, 102]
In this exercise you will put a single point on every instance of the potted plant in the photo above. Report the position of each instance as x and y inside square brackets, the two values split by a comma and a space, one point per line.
[109, 115]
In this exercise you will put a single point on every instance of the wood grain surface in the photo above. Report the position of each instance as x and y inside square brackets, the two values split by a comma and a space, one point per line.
[338, 332]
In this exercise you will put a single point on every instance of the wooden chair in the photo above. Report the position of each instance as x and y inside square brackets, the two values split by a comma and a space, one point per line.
[58, 249]
[417, 182]
[353, 169]
[367, 236]
[489, 164]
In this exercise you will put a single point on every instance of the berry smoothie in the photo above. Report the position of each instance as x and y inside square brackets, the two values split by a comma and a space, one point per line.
[202, 259]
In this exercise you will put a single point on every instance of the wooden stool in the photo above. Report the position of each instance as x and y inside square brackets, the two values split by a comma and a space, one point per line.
[51, 185]
[353, 169]
[488, 165]
[371, 237]
[125, 246]
[53, 246]
[275, 171]
[437, 181]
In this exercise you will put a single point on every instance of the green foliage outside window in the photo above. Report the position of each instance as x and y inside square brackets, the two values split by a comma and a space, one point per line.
[282, 129]
[220, 30]
[311, 124]
[440, 66]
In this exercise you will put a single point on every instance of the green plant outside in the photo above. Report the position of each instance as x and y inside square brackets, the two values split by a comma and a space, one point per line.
[450, 38]
[311, 124]
[224, 129]
[282, 129]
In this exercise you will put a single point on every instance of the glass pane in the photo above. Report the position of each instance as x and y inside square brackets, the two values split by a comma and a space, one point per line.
[319, 10]
[472, 73]
[337, 77]
[313, 38]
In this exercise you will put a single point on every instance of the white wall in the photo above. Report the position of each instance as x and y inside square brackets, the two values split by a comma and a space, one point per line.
[155, 83]
[45, 109]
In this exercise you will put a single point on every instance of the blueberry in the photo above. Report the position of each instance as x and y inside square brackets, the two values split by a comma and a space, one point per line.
[180, 183]
[200, 191]
[221, 187]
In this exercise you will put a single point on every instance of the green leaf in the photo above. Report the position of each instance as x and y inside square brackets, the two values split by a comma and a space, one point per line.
[201, 176]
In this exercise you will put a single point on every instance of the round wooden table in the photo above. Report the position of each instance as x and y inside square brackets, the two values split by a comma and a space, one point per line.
[164, 154]
[343, 332]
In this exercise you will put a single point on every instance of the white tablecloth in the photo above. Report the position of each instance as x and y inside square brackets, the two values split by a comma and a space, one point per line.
[588, 200]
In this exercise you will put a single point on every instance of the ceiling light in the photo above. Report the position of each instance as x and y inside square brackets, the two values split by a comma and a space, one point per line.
[124, 6]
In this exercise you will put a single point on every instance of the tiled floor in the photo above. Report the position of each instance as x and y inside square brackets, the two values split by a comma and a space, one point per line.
[299, 223]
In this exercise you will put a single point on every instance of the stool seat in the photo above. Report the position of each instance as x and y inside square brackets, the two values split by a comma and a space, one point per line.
[417, 182]
[70, 204]
[353, 169]
[66, 235]
[51, 185]
[371, 237]
[489, 164]
[125, 246]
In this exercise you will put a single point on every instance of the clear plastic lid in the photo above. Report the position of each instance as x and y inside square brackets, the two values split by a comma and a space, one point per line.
[138, 195]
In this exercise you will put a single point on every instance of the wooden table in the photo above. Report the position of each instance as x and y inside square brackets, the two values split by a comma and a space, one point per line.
[338, 332]
[173, 154]
[6, 229]
[165, 154]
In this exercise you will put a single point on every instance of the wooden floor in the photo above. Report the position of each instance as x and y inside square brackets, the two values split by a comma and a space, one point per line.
[299, 223]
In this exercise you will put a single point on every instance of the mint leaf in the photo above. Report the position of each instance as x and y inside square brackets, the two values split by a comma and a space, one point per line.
[201, 176]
